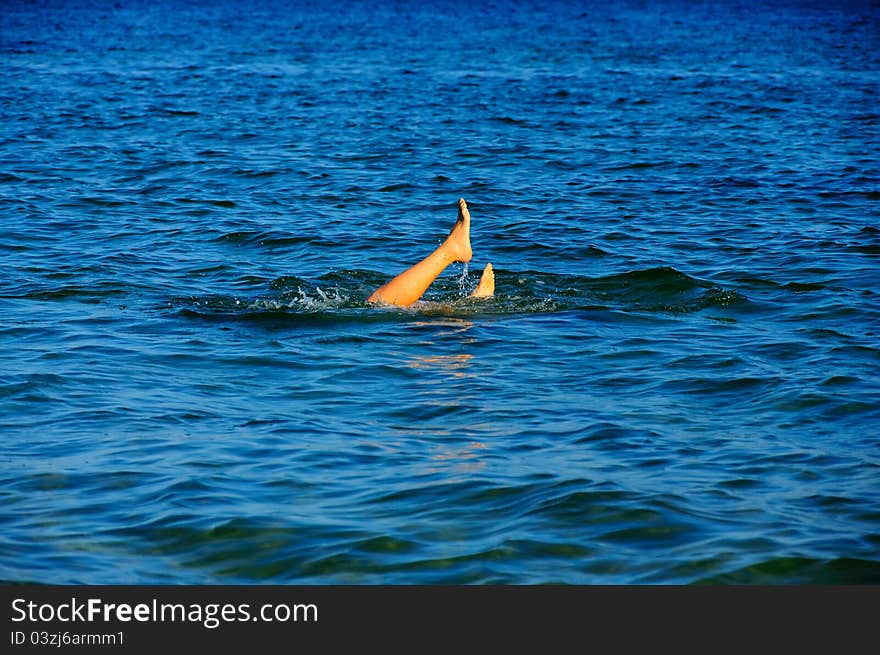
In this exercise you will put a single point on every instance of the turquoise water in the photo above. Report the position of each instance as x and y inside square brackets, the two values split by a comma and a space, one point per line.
[677, 381]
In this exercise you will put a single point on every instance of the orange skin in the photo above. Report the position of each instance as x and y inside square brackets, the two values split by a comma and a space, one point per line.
[408, 287]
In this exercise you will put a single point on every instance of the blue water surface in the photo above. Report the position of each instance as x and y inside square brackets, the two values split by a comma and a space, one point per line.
[676, 382]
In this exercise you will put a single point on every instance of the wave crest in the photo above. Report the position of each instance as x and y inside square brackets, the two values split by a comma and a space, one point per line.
[344, 293]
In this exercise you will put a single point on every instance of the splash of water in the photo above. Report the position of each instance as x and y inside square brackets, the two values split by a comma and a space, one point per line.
[464, 281]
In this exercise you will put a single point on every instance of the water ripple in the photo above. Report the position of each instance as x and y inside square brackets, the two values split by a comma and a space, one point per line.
[676, 381]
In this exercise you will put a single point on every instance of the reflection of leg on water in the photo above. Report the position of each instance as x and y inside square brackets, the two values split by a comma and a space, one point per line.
[409, 286]
[454, 365]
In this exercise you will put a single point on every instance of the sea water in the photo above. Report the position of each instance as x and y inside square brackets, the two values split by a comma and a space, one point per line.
[676, 381]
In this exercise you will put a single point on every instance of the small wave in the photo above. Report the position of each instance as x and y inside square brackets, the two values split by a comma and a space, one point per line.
[508, 120]
[733, 183]
[805, 570]
[866, 250]
[664, 289]
[852, 193]
[78, 293]
[176, 112]
[803, 287]
[396, 187]
[206, 201]
[96, 201]
[316, 299]
[259, 238]
[255, 173]
[336, 296]
[638, 165]
[242, 236]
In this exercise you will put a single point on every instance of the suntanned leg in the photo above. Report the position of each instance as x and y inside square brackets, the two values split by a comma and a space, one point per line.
[409, 286]
[486, 287]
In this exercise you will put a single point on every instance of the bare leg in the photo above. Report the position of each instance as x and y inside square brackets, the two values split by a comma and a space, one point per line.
[409, 286]
[486, 287]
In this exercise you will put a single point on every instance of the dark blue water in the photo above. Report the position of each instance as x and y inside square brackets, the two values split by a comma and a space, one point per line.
[676, 382]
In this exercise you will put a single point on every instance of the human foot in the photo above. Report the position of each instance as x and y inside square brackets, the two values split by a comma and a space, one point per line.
[458, 244]
[486, 287]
